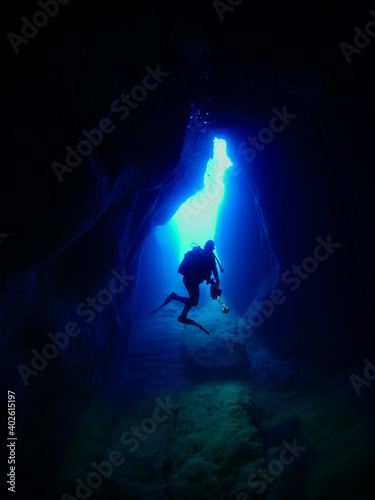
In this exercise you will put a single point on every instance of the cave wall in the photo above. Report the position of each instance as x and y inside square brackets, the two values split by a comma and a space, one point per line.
[64, 239]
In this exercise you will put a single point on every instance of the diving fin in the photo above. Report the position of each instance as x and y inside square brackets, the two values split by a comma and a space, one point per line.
[170, 297]
[188, 321]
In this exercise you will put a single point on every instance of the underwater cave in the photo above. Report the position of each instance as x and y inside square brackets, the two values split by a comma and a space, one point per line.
[136, 133]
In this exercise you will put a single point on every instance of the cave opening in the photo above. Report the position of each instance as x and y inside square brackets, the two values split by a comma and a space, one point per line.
[225, 207]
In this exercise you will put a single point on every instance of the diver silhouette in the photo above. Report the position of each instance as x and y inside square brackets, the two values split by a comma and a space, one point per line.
[196, 267]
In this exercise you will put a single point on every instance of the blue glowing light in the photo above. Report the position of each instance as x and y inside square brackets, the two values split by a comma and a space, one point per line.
[195, 220]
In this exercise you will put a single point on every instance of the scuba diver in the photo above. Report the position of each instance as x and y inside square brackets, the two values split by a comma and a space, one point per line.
[196, 267]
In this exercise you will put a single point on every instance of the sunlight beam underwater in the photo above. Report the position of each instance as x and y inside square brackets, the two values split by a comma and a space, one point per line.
[195, 220]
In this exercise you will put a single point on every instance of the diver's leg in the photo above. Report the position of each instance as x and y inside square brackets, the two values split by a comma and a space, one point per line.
[186, 309]
[193, 289]
[184, 300]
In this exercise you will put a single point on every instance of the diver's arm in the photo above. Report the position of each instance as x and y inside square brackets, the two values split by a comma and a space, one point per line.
[216, 274]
